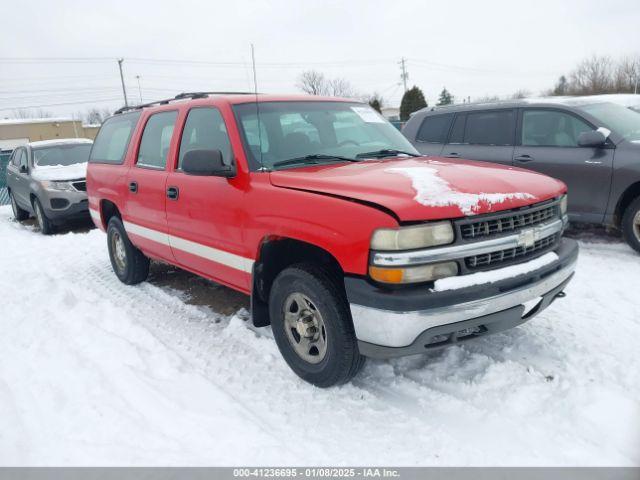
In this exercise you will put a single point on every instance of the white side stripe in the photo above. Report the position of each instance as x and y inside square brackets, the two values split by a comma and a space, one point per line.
[219, 256]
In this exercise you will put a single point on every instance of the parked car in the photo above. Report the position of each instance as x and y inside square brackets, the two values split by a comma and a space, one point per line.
[349, 243]
[47, 179]
[592, 146]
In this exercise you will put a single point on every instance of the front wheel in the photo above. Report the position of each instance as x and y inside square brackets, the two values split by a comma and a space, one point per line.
[130, 265]
[46, 226]
[631, 224]
[312, 326]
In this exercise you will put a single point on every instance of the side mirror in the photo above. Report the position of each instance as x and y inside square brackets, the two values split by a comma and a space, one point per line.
[594, 138]
[206, 163]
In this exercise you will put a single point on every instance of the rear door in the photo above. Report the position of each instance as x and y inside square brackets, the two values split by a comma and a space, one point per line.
[548, 143]
[483, 135]
[146, 218]
[205, 213]
[432, 134]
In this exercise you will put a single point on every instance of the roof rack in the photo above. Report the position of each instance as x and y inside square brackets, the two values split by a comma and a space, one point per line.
[180, 96]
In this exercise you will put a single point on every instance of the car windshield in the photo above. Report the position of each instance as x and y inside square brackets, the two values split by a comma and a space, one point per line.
[622, 120]
[61, 155]
[286, 134]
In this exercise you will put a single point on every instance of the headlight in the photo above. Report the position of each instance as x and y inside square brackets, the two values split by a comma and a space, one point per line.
[418, 274]
[65, 186]
[563, 205]
[409, 238]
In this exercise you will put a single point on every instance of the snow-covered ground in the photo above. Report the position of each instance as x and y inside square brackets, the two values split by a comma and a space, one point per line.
[93, 372]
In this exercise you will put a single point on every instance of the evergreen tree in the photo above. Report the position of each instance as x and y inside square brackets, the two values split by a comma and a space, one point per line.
[375, 104]
[412, 101]
[562, 87]
[445, 97]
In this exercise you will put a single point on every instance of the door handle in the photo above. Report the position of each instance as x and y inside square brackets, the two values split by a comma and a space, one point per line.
[524, 158]
[133, 187]
[593, 162]
[452, 155]
[172, 193]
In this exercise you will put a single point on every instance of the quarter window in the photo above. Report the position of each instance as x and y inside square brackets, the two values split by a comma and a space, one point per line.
[205, 130]
[551, 128]
[156, 140]
[434, 129]
[490, 128]
[113, 138]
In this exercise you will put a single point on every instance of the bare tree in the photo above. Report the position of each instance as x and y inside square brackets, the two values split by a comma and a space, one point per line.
[522, 93]
[316, 83]
[24, 113]
[95, 116]
[375, 100]
[626, 74]
[593, 76]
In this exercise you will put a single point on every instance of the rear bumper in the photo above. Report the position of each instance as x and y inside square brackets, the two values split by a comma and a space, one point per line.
[390, 323]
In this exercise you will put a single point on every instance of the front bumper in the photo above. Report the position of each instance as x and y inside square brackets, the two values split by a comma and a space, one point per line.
[61, 206]
[391, 323]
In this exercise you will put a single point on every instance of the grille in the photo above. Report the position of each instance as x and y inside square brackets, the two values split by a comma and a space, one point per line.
[499, 257]
[508, 223]
[80, 186]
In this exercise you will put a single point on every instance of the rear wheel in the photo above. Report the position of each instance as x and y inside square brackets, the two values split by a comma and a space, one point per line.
[46, 226]
[631, 224]
[130, 265]
[312, 326]
[18, 213]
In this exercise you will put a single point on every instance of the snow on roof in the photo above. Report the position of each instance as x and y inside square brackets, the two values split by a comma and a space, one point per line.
[58, 141]
[19, 121]
[91, 125]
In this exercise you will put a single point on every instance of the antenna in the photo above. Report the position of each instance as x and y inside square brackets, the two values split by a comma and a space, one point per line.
[255, 89]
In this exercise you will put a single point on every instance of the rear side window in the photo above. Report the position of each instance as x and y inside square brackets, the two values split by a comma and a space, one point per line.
[490, 128]
[457, 131]
[113, 139]
[156, 140]
[205, 130]
[434, 129]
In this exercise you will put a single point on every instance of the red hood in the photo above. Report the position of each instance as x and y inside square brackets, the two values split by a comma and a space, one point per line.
[426, 188]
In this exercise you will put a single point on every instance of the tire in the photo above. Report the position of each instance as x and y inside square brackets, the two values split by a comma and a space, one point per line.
[18, 213]
[310, 294]
[631, 224]
[129, 264]
[46, 226]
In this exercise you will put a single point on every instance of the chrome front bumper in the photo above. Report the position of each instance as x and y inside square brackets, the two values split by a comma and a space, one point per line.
[399, 328]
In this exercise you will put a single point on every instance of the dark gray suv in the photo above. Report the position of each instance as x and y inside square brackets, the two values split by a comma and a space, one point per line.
[48, 179]
[593, 146]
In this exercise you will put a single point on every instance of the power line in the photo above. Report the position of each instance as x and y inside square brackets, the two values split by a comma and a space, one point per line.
[96, 100]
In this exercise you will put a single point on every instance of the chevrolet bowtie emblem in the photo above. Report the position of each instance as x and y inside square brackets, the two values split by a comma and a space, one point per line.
[527, 238]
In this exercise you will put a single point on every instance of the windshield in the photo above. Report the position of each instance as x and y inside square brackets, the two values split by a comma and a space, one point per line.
[622, 120]
[321, 131]
[61, 155]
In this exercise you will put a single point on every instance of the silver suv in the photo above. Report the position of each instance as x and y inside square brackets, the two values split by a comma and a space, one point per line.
[48, 180]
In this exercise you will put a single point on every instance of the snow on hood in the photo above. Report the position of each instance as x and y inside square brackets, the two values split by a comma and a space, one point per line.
[425, 188]
[433, 191]
[60, 172]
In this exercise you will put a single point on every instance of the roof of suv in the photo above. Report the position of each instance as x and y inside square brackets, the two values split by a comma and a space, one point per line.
[58, 141]
[626, 100]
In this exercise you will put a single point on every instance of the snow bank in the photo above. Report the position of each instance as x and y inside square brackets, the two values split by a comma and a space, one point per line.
[60, 172]
[463, 281]
[434, 191]
[93, 372]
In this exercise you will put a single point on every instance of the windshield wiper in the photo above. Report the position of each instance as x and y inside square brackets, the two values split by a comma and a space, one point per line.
[385, 152]
[313, 160]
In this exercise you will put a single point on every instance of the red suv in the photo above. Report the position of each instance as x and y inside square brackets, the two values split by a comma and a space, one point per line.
[349, 242]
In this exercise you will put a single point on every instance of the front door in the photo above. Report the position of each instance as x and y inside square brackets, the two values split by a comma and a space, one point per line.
[205, 214]
[549, 144]
[145, 214]
[18, 177]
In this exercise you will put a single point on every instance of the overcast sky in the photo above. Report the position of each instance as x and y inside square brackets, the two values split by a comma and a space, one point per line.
[474, 48]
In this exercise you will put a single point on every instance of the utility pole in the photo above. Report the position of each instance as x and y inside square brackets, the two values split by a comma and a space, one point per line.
[124, 91]
[404, 76]
[139, 87]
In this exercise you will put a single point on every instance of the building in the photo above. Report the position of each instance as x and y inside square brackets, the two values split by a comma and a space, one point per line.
[15, 132]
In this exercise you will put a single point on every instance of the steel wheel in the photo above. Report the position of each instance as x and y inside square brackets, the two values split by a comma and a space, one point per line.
[119, 251]
[636, 225]
[39, 216]
[305, 328]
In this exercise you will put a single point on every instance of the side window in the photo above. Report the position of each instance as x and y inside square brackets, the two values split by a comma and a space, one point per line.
[110, 145]
[490, 128]
[16, 158]
[551, 128]
[205, 130]
[156, 139]
[457, 131]
[434, 129]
